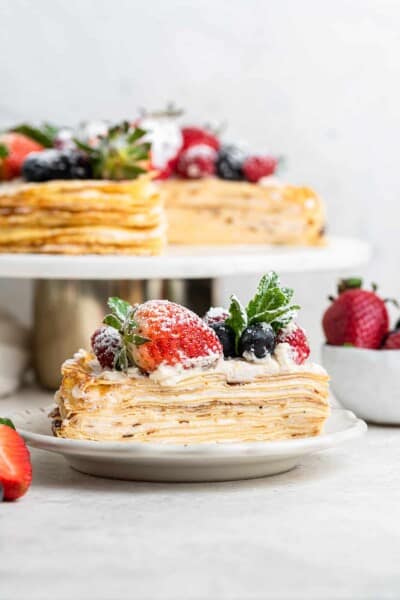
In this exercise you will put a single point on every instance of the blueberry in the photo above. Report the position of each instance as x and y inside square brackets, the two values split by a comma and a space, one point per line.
[1, 492]
[258, 339]
[397, 326]
[56, 164]
[226, 336]
[229, 163]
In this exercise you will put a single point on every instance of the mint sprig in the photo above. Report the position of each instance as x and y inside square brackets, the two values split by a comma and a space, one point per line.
[270, 304]
[122, 319]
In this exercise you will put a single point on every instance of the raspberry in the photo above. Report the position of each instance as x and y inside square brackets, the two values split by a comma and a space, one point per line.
[392, 341]
[215, 314]
[175, 336]
[106, 343]
[295, 336]
[256, 167]
[195, 136]
[196, 162]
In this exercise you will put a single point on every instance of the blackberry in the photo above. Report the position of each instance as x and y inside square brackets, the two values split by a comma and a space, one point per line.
[56, 164]
[106, 343]
[229, 163]
[226, 336]
[258, 340]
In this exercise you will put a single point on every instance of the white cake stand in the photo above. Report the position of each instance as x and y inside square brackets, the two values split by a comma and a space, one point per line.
[71, 291]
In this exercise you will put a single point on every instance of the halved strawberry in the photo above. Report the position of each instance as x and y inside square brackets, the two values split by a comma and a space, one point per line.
[14, 148]
[15, 464]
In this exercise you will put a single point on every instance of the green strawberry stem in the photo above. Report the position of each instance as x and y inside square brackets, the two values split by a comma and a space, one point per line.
[122, 319]
[270, 304]
[119, 154]
[7, 422]
[352, 283]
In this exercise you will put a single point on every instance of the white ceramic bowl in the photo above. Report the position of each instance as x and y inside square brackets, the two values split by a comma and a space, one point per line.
[366, 381]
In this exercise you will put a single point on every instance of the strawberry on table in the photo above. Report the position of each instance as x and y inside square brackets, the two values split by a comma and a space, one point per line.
[15, 464]
[356, 317]
[14, 148]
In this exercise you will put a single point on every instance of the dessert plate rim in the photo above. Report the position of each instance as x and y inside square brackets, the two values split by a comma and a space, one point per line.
[348, 427]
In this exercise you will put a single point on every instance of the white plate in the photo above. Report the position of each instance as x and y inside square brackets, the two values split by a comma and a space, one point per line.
[193, 462]
[190, 262]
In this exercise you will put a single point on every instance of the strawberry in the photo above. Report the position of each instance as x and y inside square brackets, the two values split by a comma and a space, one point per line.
[296, 337]
[15, 464]
[392, 341]
[194, 136]
[256, 167]
[177, 336]
[356, 317]
[14, 148]
[196, 162]
[106, 343]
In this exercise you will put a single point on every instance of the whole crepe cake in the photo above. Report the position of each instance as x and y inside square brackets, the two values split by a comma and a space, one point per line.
[159, 373]
[218, 193]
[89, 194]
[79, 197]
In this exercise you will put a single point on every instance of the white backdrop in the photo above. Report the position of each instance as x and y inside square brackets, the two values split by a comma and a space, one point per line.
[316, 81]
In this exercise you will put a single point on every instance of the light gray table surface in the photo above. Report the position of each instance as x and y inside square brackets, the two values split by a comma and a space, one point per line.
[328, 529]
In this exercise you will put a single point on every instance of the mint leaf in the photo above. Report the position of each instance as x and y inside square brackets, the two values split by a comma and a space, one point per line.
[113, 321]
[263, 298]
[7, 422]
[120, 308]
[3, 151]
[271, 303]
[237, 319]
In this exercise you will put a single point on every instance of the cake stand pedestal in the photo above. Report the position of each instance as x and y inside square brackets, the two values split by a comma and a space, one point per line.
[71, 291]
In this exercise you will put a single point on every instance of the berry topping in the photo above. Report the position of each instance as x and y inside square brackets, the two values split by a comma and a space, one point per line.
[107, 344]
[15, 464]
[356, 317]
[270, 306]
[257, 341]
[161, 332]
[296, 337]
[229, 164]
[196, 162]
[194, 136]
[56, 164]
[216, 314]
[257, 167]
[176, 335]
[392, 341]
[226, 336]
[14, 148]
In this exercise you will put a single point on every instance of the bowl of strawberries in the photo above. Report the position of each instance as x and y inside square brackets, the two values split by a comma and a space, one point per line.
[359, 353]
